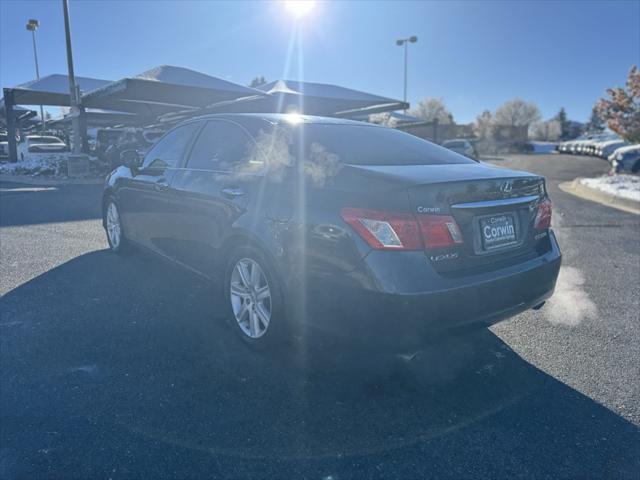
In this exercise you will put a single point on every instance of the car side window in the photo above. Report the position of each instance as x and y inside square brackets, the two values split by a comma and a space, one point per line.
[222, 146]
[171, 148]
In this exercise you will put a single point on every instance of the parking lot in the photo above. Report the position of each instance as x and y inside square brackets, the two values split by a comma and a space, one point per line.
[121, 366]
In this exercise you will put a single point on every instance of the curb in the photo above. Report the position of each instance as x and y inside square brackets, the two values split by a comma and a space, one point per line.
[44, 181]
[576, 188]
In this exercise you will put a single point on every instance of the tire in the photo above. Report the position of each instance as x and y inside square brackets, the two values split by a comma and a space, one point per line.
[113, 227]
[258, 320]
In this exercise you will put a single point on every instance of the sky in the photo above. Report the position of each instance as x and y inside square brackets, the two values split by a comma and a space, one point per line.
[474, 55]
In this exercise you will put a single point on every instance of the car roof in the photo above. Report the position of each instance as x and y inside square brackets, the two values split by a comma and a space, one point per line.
[628, 148]
[612, 142]
[282, 118]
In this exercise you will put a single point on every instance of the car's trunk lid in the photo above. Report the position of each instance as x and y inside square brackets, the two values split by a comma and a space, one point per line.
[477, 196]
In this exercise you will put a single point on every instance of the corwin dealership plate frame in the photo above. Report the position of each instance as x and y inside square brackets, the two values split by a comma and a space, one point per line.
[478, 247]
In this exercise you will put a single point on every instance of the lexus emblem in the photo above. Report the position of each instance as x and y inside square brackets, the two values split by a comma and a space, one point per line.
[506, 187]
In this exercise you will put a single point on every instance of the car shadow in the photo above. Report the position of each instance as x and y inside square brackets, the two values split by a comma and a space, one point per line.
[123, 366]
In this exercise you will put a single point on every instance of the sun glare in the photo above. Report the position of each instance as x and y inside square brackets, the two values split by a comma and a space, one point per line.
[299, 8]
[294, 118]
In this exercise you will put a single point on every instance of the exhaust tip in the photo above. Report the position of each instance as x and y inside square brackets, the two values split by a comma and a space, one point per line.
[539, 306]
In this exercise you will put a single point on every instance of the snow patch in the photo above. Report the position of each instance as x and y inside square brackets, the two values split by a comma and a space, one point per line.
[570, 303]
[620, 185]
[37, 164]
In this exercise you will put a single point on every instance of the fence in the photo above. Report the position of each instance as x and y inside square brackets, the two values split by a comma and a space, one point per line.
[505, 138]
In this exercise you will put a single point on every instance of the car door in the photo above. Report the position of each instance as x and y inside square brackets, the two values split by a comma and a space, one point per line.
[211, 191]
[143, 199]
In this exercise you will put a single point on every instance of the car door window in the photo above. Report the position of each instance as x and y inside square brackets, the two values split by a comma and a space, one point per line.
[170, 149]
[224, 147]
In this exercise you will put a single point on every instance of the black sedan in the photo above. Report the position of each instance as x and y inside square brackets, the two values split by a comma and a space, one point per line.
[323, 225]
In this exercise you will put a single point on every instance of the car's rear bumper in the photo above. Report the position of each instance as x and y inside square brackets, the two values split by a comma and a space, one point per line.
[400, 314]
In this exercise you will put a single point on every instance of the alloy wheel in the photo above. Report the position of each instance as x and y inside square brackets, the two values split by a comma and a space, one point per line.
[114, 230]
[250, 298]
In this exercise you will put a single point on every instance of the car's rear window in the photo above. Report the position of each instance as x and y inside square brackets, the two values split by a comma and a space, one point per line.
[370, 145]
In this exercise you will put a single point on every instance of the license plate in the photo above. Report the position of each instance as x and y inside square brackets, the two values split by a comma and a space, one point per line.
[498, 231]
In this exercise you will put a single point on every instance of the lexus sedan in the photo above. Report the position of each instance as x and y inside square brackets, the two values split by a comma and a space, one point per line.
[323, 226]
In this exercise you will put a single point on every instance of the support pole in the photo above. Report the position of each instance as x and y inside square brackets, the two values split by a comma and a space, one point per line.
[405, 74]
[74, 91]
[9, 102]
[35, 56]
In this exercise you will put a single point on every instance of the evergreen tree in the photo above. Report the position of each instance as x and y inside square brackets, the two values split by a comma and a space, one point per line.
[595, 123]
[565, 125]
[256, 82]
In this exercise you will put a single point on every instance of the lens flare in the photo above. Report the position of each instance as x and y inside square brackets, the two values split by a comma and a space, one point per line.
[299, 8]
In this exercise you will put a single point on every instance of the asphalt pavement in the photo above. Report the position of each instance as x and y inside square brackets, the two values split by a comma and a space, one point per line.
[122, 367]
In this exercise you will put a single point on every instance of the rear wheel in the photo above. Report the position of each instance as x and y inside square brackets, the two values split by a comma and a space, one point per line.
[254, 298]
[113, 226]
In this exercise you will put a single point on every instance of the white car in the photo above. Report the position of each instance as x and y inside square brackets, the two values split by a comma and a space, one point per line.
[40, 144]
[4, 146]
[604, 149]
[626, 159]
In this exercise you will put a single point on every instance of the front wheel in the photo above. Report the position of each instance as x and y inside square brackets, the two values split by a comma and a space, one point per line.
[113, 226]
[254, 298]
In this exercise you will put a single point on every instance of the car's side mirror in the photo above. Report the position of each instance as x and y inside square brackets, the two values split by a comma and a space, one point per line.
[130, 159]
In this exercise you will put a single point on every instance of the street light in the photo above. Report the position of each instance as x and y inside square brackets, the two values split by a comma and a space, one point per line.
[405, 42]
[32, 26]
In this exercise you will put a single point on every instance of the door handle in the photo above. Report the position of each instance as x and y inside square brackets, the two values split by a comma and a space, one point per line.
[160, 185]
[232, 192]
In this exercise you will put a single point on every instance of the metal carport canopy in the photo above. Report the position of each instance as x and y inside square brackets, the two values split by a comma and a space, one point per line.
[95, 117]
[164, 89]
[310, 98]
[51, 90]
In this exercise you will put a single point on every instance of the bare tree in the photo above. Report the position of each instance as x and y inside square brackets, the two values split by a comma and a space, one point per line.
[431, 109]
[549, 131]
[483, 125]
[517, 113]
[384, 118]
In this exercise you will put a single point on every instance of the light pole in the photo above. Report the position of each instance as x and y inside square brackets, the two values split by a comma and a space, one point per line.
[405, 42]
[74, 91]
[32, 26]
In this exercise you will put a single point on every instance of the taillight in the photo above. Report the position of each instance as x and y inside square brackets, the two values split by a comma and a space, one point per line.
[439, 231]
[384, 230]
[403, 231]
[543, 217]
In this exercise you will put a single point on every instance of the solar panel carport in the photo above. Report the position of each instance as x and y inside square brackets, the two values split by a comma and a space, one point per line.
[176, 92]
[52, 90]
[284, 96]
[165, 89]
[157, 91]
